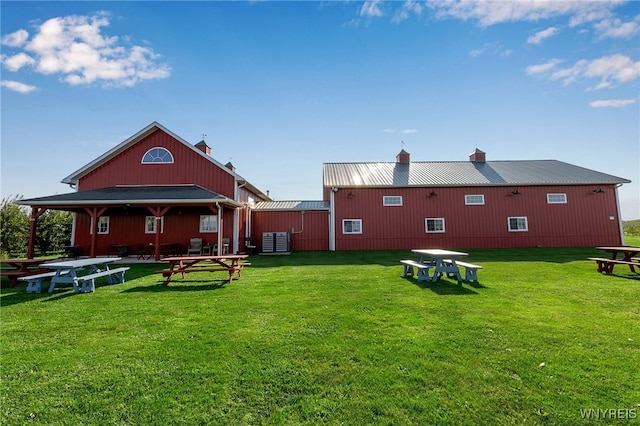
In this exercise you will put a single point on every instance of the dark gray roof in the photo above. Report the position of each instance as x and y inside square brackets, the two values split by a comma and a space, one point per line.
[132, 194]
[292, 205]
[462, 173]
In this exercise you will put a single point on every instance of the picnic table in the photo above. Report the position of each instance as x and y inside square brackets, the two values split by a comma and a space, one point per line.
[19, 268]
[187, 264]
[71, 272]
[627, 258]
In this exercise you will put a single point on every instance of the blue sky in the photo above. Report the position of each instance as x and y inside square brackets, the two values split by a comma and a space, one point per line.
[279, 88]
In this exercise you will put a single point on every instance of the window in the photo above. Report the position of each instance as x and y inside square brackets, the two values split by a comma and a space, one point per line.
[150, 225]
[557, 198]
[518, 224]
[208, 223]
[392, 200]
[474, 200]
[434, 224]
[103, 225]
[352, 226]
[157, 155]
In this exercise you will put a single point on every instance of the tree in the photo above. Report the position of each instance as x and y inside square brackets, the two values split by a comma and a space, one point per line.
[53, 230]
[14, 227]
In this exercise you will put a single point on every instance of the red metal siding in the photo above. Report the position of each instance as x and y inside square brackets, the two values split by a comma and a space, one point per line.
[314, 235]
[189, 167]
[587, 219]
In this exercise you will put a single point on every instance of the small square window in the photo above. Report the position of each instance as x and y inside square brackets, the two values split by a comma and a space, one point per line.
[208, 223]
[434, 224]
[518, 224]
[557, 198]
[103, 225]
[150, 225]
[474, 200]
[352, 226]
[392, 200]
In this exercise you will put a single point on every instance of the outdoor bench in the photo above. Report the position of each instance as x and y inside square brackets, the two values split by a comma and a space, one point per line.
[88, 281]
[606, 265]
[471, 270]
[422, 269]
[34, 282]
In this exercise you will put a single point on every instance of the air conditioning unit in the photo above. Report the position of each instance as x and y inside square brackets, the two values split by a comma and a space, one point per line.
[275, 242]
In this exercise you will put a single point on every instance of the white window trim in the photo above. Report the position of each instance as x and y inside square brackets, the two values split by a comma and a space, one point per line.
[146, 231]
[563, 201]
[351, 220]
[215, 223]
[101, 219]
[157, 162]
[469, 203]
[526, 224]
[438, 231]
[386, 200]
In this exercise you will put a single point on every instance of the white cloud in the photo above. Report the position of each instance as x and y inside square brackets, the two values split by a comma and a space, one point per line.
[611, 70]
[409, 7]
[541, 35]
[76, 48]
[371, 9]
[16, 86]
[615, 28]
[542, 68]
[15, 62]
[612, 103]
[15, 39]
[403, 131]
[488, 12]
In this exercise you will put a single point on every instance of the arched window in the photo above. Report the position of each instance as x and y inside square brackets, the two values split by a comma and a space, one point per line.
[157, 155]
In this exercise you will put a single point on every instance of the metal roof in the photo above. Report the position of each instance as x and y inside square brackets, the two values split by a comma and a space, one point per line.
[292, 205]
[462, 173]
[133, 194]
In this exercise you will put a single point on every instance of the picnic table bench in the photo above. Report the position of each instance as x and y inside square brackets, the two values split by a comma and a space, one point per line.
[606, 264]
[421, 268]
[470, 270]
[18, 268]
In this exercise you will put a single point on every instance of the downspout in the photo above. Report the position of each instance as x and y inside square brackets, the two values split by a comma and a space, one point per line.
[621, 228]
[220, 222]
[332, 222]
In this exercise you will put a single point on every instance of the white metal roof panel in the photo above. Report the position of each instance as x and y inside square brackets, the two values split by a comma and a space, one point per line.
[292, 205]
[462, 173]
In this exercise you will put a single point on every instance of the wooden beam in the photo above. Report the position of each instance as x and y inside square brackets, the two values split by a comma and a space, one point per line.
[36, 212]
[95, 213]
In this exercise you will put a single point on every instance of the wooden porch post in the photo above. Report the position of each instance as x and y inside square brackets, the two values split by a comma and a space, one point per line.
[36, 212]
[95, 214]
[158, 212]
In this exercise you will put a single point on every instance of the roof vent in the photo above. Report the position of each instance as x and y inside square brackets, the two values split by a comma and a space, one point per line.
[403, 157]
[478, 156]
[202, 146]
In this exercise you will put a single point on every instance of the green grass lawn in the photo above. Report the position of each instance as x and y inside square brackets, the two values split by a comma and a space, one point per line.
[330, 338]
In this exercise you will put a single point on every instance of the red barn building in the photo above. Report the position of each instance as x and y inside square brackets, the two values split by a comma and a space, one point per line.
[157, 190]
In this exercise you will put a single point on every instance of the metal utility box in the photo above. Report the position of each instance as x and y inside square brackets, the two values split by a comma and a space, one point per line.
[275, 242]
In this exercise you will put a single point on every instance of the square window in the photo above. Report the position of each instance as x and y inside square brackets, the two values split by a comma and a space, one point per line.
[103, 225]
[392, 200]
[434, 224]
[208, 223]
[557, 198]
[352, 226]
[518, 224]
[474, 200]
[150, 225]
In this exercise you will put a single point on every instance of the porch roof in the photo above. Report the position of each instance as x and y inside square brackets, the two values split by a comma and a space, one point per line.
[139, 195]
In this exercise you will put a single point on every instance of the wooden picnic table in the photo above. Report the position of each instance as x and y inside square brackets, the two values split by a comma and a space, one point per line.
[187, 264]
[627, 258]
[19, 268]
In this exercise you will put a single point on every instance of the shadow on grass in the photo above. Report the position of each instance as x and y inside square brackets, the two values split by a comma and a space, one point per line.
[179, 286]
[444, 287]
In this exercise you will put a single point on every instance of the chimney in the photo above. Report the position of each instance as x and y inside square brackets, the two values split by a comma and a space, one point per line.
[230, 167]
[202, 146]
[403, 157]
[478, 156]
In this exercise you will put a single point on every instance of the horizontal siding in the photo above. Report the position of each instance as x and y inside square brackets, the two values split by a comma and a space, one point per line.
[587, 219]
